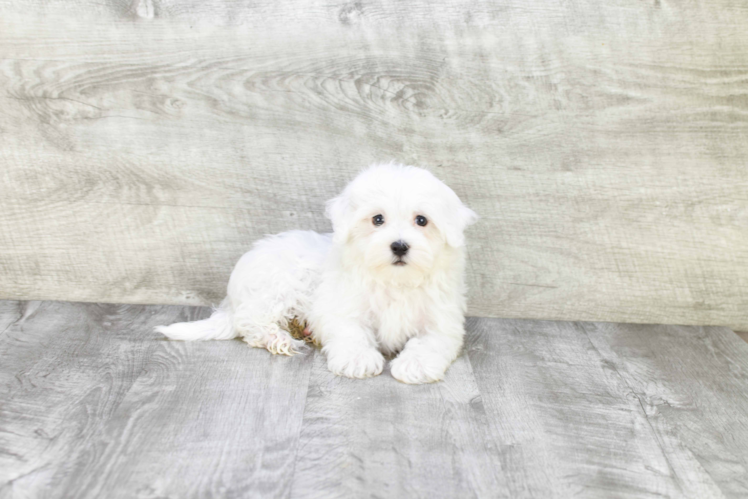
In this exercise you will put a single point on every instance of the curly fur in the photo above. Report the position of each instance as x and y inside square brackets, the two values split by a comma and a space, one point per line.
[359, 301]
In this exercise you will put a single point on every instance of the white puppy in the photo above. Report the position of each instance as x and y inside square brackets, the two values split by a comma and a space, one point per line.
[389, 279]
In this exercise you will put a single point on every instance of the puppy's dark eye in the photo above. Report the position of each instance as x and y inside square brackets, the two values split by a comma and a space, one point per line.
[378, 220]
[421, 220]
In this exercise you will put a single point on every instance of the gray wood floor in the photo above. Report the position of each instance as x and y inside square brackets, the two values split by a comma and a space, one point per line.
[93, 404]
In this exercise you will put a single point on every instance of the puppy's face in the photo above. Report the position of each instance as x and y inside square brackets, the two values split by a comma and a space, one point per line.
[398, 223]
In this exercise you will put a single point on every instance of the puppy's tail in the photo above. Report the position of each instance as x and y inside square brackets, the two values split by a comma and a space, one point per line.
[218, 327]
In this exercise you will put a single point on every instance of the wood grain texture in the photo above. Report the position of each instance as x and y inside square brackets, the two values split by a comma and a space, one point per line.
[146, 144]
[92, 404]
[572, 401]
[565, 421]
[686, 417]
[385, 439]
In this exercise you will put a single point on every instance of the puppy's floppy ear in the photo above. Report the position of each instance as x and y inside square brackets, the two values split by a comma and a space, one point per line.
[340, 213]
[458, 218]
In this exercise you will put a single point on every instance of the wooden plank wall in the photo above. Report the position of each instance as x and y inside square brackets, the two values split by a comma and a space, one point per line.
[144, 145]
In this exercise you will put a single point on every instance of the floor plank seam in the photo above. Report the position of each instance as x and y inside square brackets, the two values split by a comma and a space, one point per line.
[292, 477]
[472, 333]
[656, 436]
[13, 323]
[21, 476]
[660, 445]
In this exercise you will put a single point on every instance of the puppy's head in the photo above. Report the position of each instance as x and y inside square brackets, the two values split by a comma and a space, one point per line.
[398, 222]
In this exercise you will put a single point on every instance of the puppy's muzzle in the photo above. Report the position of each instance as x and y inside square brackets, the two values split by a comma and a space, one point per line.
[399, 248]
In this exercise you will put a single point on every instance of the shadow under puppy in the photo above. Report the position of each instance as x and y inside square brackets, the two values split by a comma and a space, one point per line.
[389, 279]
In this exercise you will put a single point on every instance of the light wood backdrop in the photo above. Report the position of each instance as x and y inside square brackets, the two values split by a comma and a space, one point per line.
[144, 145]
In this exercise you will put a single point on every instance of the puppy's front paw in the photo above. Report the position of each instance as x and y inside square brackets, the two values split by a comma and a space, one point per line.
[354, 361]
[416, 368]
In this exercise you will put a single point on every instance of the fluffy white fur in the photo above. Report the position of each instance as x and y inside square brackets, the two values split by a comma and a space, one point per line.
[358, 301]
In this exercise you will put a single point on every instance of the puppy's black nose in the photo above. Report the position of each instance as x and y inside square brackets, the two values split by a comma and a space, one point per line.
[399, 248]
